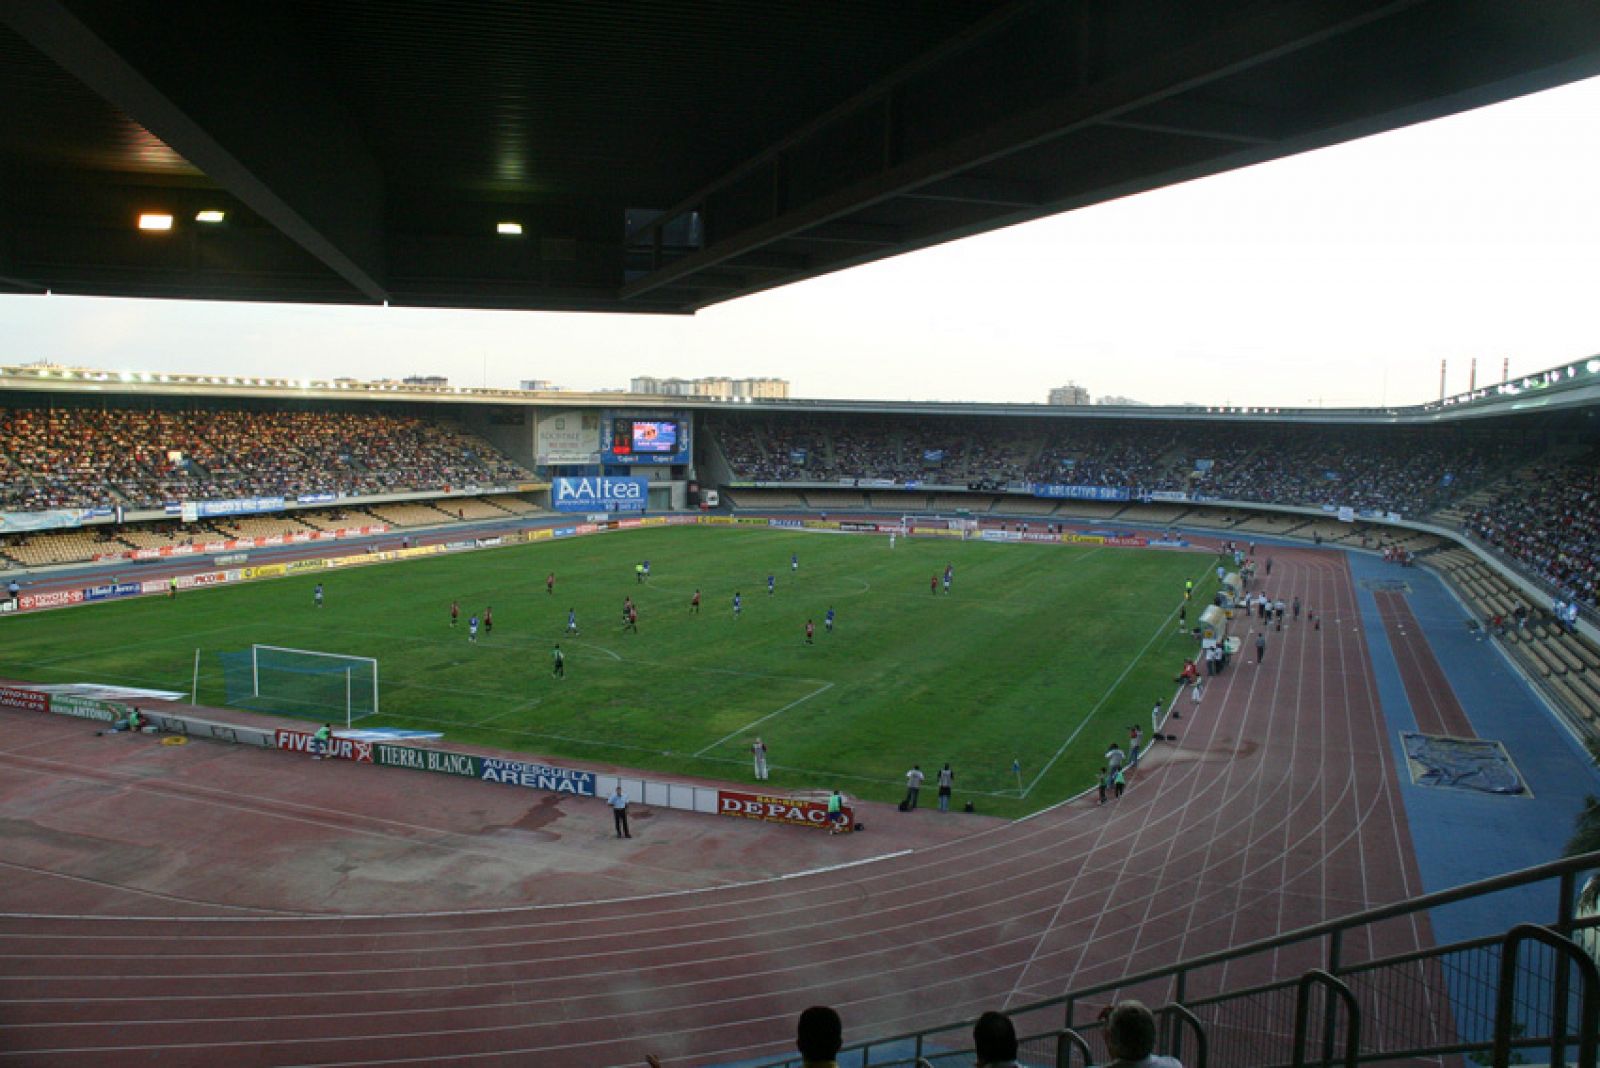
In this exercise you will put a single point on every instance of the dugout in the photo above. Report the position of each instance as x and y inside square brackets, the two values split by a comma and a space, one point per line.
[1232, 590]
[1213, 624]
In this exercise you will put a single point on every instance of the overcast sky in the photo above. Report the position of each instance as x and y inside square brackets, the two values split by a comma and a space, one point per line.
[1336, 277]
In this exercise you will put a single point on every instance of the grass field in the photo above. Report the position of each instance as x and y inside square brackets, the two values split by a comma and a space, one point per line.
[1041, 653]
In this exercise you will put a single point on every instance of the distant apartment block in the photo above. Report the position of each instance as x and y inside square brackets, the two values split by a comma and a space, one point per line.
[1069, 394]
[723, 388]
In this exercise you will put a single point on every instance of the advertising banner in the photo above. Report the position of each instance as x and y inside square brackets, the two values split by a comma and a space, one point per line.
[265, 571]
[1167, 495]
[316, 498]
[50, 599]
[110, 590]
[567, 438]
[1079, 493]
[338, 748]
[305, 565]
[795, 811]
[31, 700]
[607, 494]
[405, 756]
[1347, 514]
[794, 524]
[50, 520]
[242, 506]
[66, 704]
[538, 777]
[1084, 539]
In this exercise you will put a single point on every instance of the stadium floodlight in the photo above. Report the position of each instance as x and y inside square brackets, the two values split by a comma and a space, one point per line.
[1593, 367]
[155, 220]
[210, 215]
[508, 229]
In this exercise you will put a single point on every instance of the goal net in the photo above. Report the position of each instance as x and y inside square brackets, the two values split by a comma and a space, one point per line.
[302, 682]
[912, 523]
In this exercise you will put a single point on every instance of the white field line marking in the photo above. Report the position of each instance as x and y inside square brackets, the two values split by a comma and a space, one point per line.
[824, 688]
[1161, 632]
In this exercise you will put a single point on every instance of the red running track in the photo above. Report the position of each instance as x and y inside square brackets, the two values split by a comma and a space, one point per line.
[1433, 699]
[1277, 807]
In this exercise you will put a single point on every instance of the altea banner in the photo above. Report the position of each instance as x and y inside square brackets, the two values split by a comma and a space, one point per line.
[599, 494]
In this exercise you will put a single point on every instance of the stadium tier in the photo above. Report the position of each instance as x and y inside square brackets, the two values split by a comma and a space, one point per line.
[139, 457]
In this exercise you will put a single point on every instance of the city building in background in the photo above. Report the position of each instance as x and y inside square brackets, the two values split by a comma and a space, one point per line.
[538, 385]
[1070, 394]
[724, 388]
[426, 381]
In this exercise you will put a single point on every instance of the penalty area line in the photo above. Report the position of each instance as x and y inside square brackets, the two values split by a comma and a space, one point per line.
[824, 688]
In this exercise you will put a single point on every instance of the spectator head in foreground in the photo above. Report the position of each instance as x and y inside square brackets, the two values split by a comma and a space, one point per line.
[994, 1040]
[820, 1035]
[1131, 1036]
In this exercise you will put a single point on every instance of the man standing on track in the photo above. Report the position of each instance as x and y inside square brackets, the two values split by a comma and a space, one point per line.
[914, 779]
[1261, 646]
[321, 741]
[1114, 758]
[619, 812]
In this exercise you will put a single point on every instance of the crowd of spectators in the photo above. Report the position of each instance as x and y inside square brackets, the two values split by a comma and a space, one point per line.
[1550, 524]
[143, 458]
[1413, 472]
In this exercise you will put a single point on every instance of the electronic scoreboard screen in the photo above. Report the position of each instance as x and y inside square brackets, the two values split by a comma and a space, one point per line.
[653, 435]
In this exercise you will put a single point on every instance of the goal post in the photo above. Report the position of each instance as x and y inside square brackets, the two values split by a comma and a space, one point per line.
[303, 682]
[965, 524]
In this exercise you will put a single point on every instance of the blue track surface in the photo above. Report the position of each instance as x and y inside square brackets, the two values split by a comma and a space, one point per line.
[1458, 835]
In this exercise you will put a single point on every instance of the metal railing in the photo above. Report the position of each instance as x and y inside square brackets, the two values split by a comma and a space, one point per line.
[1481, 998]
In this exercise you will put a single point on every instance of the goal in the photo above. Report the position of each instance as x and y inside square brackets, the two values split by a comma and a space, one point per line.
[302, 682]
[912, 523]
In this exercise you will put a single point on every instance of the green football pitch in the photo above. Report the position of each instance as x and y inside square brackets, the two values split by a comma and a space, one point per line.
[1039, 654]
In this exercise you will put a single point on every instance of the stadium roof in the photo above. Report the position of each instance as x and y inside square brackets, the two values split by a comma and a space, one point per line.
[664, 156]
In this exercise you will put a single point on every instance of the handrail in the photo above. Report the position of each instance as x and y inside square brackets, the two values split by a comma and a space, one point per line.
[1589, 1005]
[1536, 874]
[1068, 1040]
[1302, 1010]
[1176, 1014]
